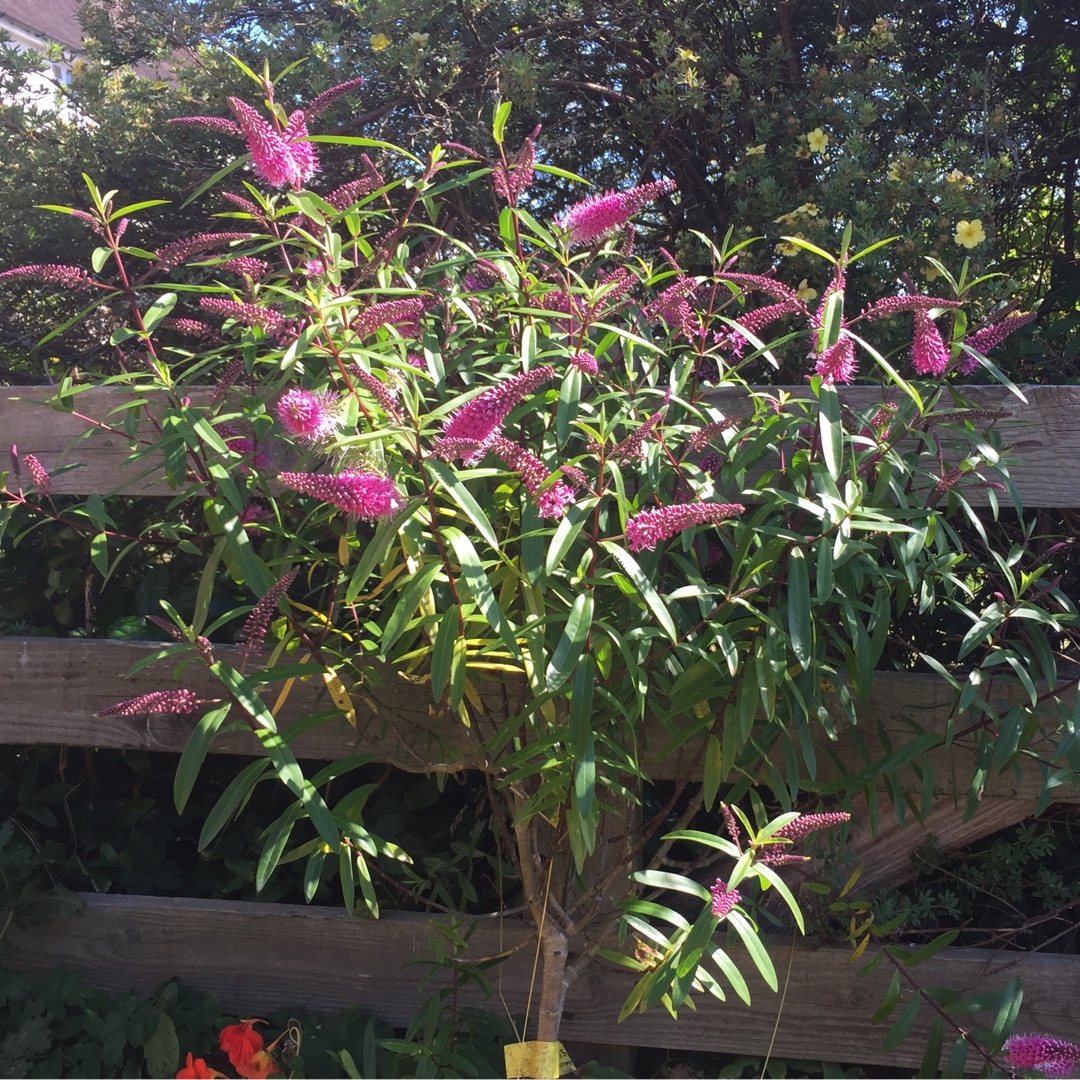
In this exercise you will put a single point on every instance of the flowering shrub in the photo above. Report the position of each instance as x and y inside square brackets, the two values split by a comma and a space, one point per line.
[515, 457]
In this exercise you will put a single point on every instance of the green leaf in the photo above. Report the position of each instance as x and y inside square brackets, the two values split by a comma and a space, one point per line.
[581, 715]
[659, 879]
[480, 588]
[187, 770]
[162, 1048]
[230, 800]
[956, 1065]
[798, 607]
[498, 123]
[405, 608]
[932, 1054]
[832, 430]
[905, 1022]
[377, 548]
[466, 503]
[158, 310]
[274, 847]
[585, 781]
[754, 947]
[568, 649]
[888, 1003]
[99, 257]
[565, 535]
[99, 553]
[644, 587]
[443, 650]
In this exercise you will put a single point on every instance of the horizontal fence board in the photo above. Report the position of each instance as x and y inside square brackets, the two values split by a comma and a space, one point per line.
[51, 687]
[1047, 471]
[258, 957]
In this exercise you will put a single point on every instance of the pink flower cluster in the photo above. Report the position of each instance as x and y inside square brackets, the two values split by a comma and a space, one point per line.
[1052, 1057]
[39, 474]
[368, 495]
[174, 702]
[281, 158]
[255, 625]
[551, 500]
[181, 250]
[66, 277]
[723, 899]
[805, 824]
[650, 528]
[512, 181]
[309, 415]
[601, 215]
[469, 430]
[246, 314]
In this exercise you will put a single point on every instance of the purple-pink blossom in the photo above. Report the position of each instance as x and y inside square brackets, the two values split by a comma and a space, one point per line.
[650, 528]
[512, 180]
[66, 277]
[633, 446]
[368, 495]
[1052, 1057]
[585, 362]
[255, 625]
[929, 356]
[382, 393]
[404, 314]
[469, 429]
[551, 500]
[988, 337]
[805, 824]
[38, 473]
[837, 363]
[244, 313]
[893, 305]
[601, 215]
[280, 158]
[181, 250]
[723, 899]
[174, 702]
[309, 415]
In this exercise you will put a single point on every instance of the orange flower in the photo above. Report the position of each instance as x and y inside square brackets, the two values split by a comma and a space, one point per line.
[241, 1042]
[259, 1066]
[197, 1069]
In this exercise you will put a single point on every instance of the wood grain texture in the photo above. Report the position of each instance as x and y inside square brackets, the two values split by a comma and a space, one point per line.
[1047, 469]
[258, 957]
[51, 687]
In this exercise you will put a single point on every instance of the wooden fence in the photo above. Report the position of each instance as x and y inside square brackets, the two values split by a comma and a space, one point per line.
[50, 688]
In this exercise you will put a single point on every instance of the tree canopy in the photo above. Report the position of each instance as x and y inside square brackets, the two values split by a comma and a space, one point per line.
[775, 120]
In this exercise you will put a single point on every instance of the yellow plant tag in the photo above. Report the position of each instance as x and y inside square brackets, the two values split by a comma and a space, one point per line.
[537, 1059]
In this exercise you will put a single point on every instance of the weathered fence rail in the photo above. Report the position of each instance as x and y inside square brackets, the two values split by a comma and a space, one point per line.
[248, 953]
[50, 690]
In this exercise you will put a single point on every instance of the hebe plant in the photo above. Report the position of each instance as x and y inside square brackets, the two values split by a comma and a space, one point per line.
[502, 458]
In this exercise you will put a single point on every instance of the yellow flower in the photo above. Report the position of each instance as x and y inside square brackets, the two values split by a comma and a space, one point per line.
[804, 291]
[731, 84]
[686, 56]
[419, 40]
[379, 42]
[787, 248]
[808, 208]
[969, 234]
[817, 140]
[894, 171]
[958, 177]
[930, 272]
[802, 152]
[755, 151]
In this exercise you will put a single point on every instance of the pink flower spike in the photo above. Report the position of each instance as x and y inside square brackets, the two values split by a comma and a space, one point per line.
[66, 277]
[38, 473]
[988, 337]
[805, 824]
[723, 899]
[255, 625]
[650, 528]
[837, 362]
[174, 702]
[1052, 1057]
[552, 500]
[585, 362]
[601, 215]
[928, 353]
[367, 495]
[279, 160]
[469, 430]
[215, 123]
[328, 97]
[309, 415]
